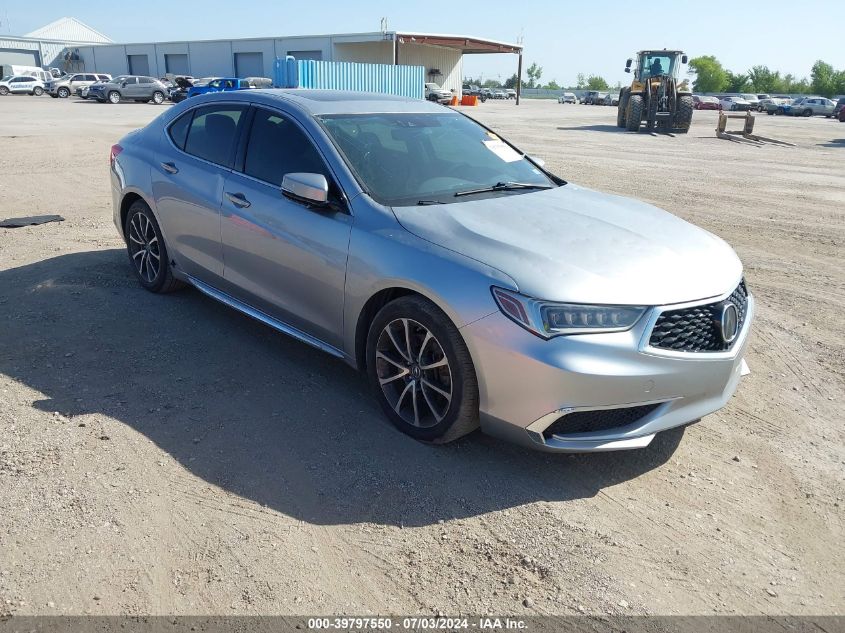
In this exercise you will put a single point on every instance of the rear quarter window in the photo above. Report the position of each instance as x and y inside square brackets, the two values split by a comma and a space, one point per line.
[178, 130]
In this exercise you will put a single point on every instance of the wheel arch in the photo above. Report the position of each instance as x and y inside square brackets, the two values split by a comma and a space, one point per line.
[369, 311]
[130, 197]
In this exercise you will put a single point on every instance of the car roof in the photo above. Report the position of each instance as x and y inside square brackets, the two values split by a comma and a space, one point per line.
[319, 102]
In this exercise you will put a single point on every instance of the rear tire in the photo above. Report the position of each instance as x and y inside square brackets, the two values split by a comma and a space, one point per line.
[38, 91]
[683, 119]
[147, 250]
[114, 97]
[158, 97]
[634, 114]
[406, 336]
[621, 109]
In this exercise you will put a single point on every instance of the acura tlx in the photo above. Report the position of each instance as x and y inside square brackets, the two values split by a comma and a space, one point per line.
[470, 284]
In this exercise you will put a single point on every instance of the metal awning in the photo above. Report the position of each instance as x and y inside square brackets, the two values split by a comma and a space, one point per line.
[467, 45]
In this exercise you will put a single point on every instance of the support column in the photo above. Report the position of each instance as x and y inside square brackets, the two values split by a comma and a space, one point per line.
[519, 79]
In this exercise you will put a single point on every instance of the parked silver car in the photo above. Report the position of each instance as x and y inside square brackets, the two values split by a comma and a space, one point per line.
[470, 284]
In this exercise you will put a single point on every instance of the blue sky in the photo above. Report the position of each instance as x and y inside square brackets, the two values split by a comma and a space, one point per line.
[565, 38]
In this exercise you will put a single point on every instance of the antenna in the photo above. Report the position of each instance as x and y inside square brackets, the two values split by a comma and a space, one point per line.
[520, 39]
[383, 25]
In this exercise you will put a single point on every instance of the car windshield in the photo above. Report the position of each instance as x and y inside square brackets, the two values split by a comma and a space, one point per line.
[748, 97]
[405, 159]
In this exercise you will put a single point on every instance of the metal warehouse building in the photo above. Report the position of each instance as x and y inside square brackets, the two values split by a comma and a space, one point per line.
[440, 55]
[50, 46]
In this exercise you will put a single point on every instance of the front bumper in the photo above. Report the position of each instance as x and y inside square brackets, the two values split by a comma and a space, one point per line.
[527, 383]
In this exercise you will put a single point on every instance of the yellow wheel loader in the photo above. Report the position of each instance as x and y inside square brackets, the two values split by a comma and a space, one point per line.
[657, 96]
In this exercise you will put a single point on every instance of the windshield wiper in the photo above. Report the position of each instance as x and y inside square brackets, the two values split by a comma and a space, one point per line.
[502, 186]
[423, 203]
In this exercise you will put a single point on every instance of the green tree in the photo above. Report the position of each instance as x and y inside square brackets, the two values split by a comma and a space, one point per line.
[510, 82]
[594, 82]
[582, 81]
[534, 73]
[823, 79]
[764, 80]
[553, 85]
[737, 82]
[710, 76]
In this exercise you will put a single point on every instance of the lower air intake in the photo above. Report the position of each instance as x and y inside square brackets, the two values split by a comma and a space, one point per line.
[597, 420]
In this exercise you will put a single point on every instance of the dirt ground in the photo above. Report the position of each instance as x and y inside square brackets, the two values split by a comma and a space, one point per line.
[166, 455]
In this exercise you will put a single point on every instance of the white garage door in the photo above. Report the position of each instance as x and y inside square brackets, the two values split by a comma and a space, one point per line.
[249, 64]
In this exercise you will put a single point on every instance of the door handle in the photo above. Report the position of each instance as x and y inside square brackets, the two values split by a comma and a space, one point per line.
[170, 168]
[238, 200]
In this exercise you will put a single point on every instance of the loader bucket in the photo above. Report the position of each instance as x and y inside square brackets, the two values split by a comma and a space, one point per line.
[746, 134]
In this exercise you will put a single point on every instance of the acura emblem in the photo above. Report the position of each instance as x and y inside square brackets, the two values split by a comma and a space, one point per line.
[729, 322]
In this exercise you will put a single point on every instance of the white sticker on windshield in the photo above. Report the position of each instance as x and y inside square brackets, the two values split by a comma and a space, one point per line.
[503, 151]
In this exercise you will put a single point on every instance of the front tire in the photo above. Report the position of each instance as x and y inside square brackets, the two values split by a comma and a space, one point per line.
[147, 250]
[421, 372]
[114, 97]
[634, 114]
[158, 97]
[63, 93]
[4, 90]
[683, 118]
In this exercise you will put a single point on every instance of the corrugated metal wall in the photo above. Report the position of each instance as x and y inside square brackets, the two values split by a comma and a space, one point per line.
[405, 81]
[448, 61]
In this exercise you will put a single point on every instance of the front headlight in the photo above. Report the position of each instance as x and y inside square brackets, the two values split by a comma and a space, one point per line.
[547, 319]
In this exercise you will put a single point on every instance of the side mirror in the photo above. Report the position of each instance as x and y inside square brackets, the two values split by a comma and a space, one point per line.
[628, 64]
[311, 188]
[627, 70]
[123, 84]
[684, 59]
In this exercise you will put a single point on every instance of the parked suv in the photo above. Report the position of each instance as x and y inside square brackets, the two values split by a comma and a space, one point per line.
[130, 88]
[594, 97]
[22, 84]
[63, 87]
[812, 106]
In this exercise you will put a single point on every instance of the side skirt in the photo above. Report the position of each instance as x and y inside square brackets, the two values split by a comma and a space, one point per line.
[266, 319]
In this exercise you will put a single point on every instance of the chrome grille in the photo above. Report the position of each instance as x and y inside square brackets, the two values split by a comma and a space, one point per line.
[697, 329]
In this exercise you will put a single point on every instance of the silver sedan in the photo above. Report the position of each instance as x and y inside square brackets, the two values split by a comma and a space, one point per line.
[473, 287]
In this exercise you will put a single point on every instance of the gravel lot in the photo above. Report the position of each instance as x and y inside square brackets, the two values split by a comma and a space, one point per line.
[164, 454]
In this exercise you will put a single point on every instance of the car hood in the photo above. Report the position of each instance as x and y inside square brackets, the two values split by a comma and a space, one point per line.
[577, 245]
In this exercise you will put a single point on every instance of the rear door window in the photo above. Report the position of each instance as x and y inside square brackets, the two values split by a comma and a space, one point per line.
[214, 131]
